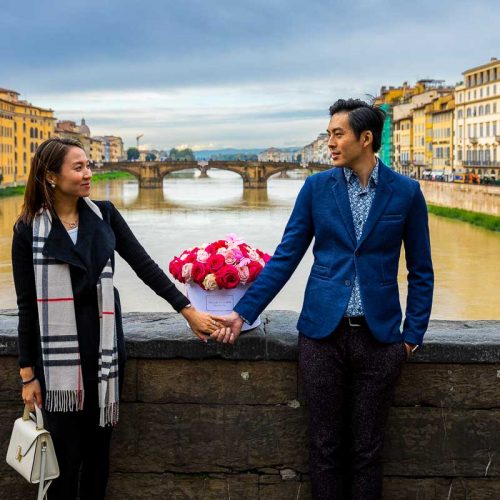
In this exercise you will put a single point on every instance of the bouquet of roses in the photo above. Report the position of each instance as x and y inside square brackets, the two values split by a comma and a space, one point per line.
[221, 264]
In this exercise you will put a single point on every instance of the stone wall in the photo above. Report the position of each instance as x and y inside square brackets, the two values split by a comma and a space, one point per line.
[211, 422]
[484, 199]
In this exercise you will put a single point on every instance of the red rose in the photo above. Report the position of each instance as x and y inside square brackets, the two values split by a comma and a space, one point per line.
[227, 277]
[215, 262]
[213, 247]
[198, 272]
[191, 258]
[244, 250]
[254, 269]
[175, 268]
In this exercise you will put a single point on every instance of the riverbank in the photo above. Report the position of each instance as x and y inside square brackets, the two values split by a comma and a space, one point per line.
[99, 177]
[11, 191]
[111, 176]
[485, 221]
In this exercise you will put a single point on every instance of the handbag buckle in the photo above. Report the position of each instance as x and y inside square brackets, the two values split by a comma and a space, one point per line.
[19, 454]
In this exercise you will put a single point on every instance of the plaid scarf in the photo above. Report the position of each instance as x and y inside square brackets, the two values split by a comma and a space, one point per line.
[59, 339]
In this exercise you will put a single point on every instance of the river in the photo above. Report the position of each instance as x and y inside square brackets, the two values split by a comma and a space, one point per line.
[190, 211]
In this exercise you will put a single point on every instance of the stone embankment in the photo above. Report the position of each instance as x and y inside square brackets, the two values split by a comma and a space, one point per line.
[483, 198]
[212, 422]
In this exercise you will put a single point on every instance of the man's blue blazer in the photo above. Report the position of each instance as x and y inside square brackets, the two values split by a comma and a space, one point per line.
[322, 211]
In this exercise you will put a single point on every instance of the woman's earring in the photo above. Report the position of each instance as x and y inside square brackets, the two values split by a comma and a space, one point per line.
[52, 185]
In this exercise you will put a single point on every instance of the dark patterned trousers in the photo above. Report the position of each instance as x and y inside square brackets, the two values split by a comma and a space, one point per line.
[349, 380]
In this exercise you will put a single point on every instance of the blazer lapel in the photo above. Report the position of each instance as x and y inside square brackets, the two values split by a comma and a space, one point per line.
[95, 243]
[342, 198]
[60, 246]
[382, 196]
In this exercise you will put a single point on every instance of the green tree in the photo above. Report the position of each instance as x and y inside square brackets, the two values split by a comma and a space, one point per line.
[181, 154]
[150, 157]
[133, 154]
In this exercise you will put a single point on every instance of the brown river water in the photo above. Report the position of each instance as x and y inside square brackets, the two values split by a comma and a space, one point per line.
[191, 211]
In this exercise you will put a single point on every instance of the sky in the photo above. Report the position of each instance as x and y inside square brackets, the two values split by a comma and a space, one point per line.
[209, 74]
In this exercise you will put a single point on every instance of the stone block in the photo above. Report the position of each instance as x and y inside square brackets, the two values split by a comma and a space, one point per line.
[443, 442]
[449, 385]
[209, 438]
[216, 381]
[182, 487]
[129, 390]
[10, 386]
[398, 488]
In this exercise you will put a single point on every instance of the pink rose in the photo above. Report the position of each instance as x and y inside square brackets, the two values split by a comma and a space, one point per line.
[202, 256]
[187, 272]
[227, 277]
[253, 254]
[230, 258]
[243, 273]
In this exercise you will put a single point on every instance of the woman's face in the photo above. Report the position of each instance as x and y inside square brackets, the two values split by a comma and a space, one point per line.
[74, 178]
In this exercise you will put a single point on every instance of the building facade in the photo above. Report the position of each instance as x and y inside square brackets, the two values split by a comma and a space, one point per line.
[94, 147]
[317, 151]
[441, 114]
[23, 127]
[477, 122]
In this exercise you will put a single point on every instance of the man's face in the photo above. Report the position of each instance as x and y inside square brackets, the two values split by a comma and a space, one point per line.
[345, 148]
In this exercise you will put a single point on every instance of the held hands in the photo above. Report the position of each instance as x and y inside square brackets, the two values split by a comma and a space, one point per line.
[31, 392]
[202, 324]
[231, 331]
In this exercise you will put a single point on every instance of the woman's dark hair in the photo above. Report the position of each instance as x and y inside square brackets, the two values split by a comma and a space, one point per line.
[48, 157]
[362, 116]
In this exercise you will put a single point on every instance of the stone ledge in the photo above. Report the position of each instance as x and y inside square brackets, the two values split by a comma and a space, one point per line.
[166, 336]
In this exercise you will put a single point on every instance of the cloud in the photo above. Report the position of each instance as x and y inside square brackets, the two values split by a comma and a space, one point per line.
[271, 67]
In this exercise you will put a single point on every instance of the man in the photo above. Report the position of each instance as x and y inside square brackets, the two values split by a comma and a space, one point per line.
[351, 348]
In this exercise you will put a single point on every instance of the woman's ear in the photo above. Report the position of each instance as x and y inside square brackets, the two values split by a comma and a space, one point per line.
[51, 180]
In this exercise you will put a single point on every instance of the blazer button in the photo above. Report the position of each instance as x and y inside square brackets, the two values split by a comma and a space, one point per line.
[347, 282]
[357, 254]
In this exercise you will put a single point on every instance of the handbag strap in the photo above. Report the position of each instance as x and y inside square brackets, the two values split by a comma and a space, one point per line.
[42, 486]
[38, 416]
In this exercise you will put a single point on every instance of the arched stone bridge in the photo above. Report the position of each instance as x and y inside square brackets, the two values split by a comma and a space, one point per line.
[254, 173]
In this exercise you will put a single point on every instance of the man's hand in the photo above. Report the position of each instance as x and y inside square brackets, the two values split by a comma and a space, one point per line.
[231, 331]
[409, 349]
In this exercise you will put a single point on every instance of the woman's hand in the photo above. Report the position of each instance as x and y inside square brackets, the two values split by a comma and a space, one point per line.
[202, 324]
[32, 392]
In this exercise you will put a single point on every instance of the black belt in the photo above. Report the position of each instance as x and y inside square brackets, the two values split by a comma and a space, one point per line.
[354, 322]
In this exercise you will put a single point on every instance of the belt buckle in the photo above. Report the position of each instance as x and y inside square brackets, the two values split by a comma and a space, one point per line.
[351, 323]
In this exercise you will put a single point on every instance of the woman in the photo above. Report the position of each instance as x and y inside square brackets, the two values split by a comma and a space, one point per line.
[71, 344]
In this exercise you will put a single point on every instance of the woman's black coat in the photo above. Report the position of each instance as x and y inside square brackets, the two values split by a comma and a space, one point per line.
[97, 240]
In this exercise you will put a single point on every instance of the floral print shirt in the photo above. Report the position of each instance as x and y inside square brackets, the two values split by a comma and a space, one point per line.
[361, 200]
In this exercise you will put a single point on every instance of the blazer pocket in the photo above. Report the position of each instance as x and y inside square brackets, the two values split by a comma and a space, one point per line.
[391, 218]
[319, 270]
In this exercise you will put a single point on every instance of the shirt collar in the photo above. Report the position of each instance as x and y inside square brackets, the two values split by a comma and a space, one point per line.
[351, 176]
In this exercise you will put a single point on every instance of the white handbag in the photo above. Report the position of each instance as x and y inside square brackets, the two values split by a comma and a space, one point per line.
[31, 451]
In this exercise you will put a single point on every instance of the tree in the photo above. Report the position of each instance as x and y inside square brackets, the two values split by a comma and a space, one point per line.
[133, 154]
[181, 154]
[150, 157]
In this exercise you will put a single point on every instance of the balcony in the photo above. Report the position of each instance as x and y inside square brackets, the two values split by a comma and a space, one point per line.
[473, 140]
[482, 163]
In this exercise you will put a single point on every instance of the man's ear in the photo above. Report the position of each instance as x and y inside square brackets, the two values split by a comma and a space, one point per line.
[368, 138]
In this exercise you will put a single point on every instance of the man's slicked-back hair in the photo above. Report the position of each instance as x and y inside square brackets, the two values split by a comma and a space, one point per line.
[362, 116]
